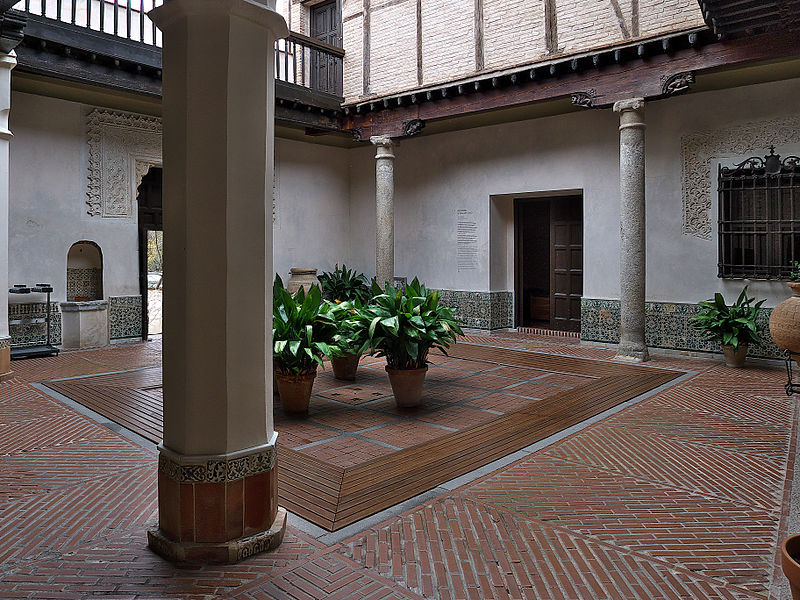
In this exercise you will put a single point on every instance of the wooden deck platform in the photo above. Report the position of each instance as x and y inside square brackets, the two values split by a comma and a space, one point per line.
[333, 496]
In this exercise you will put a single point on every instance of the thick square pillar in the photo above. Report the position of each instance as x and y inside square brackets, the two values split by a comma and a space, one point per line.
[217, 494]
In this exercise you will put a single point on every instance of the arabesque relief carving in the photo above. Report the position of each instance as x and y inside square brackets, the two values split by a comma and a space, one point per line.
[122, 148]
[699, 151]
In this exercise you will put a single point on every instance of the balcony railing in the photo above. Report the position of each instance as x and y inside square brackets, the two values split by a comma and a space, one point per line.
[299, 60]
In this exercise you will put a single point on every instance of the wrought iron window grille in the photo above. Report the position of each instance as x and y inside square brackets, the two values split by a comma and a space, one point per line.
[759, 217]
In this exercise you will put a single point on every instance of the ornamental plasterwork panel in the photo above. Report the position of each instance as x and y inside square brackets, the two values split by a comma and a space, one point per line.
[122, 148]
[699, 150]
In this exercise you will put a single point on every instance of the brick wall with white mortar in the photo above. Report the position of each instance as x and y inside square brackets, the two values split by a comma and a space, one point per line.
[514, 34]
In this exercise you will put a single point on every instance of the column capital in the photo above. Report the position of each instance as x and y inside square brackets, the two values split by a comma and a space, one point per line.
[631, 104]
[260, 12]
[385, 145]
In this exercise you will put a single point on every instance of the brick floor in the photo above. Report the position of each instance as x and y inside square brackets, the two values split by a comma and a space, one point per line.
[678, 496]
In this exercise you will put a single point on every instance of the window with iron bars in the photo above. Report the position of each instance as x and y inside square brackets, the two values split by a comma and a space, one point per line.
[759, 217]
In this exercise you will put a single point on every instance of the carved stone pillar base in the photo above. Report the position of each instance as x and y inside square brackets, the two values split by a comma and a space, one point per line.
[228, 552]
[5, 359]
[632, 353]
[217, 509]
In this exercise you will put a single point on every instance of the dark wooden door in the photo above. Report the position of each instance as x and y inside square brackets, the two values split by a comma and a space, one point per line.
[150, 219]
[326, 26]
[566, 263]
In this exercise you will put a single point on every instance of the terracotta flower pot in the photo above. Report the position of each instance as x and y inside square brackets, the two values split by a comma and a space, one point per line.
[407, 386]
[734, 358]
[345, 367]
[295, 391]
[784, 322]
[790, 555]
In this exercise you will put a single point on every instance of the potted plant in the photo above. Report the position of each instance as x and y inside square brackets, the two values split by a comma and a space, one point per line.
[784, 322]
[345, 285]
[733, 326]
[349, 339]
[790, 563]
[303, 331]
[403, 325]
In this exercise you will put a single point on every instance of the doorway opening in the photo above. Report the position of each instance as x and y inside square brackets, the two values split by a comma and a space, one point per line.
[151, 252]
[548, 259]
[326, 26]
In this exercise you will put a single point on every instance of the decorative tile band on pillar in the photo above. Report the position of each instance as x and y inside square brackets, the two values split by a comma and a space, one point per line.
[219, 509]
[384, 208]
[668, 325]
[632, 230]
[5, 358]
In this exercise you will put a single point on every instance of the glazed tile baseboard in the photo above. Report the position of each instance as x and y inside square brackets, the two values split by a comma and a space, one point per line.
[667, 325]
[125, 316]
[481, 310]
[27, 327]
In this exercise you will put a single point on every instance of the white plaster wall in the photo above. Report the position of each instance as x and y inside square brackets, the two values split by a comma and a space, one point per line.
[312, 226]
[47, 212]
[48, 209]
[437, 175]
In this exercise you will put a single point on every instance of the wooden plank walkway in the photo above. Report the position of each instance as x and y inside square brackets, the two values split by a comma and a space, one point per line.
[334, 497]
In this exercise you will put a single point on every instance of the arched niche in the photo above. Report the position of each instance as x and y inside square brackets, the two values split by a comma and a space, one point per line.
[84, 272]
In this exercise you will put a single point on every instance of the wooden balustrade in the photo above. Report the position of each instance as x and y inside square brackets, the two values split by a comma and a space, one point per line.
[299, 60]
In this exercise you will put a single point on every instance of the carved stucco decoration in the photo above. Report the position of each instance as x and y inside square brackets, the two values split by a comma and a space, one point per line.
[699, 150]
[122, 148]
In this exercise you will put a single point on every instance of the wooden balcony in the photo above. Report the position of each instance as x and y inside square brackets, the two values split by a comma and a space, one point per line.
[113, 44]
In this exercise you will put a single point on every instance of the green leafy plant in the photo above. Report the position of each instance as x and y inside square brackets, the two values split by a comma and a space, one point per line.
[351, 333]
[404, 324]
[303, 330]
[730, 325]
[345, 284]
[794, 274]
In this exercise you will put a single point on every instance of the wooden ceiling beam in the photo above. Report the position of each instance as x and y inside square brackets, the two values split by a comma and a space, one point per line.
[647, 77]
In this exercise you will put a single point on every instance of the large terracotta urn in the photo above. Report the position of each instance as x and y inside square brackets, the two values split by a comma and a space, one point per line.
[784, 323]
[301, 278]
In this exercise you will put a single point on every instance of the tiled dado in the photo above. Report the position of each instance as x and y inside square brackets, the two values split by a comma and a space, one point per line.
[125, 316]
[27, 327]
[667, 325]
[219, 510]
[480, 310]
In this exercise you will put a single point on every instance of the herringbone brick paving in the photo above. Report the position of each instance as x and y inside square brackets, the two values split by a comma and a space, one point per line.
[680, 496]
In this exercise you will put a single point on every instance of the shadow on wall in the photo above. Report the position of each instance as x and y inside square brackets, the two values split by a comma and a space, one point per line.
[84, 272]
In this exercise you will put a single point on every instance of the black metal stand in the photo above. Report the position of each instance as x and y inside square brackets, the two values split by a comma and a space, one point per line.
[791, 387]
[40, 350]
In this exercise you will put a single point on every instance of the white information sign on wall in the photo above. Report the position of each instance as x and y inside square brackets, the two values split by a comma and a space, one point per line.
[467, 240]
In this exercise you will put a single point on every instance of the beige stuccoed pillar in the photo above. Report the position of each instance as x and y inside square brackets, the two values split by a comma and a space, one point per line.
[384, 208]
[7, 63]
[216, 476]
[633, 244]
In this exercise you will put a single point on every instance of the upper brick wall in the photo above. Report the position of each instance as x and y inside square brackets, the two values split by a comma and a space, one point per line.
[453, 39]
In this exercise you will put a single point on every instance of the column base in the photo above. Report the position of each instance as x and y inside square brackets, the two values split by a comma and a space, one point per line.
[637, 354]
[5, 359]
[217, 508]
[228, 552]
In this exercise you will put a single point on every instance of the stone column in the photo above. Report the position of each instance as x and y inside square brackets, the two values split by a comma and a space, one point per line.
[633, 246]
[384, 209]
[7, 62]
[216, 478]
